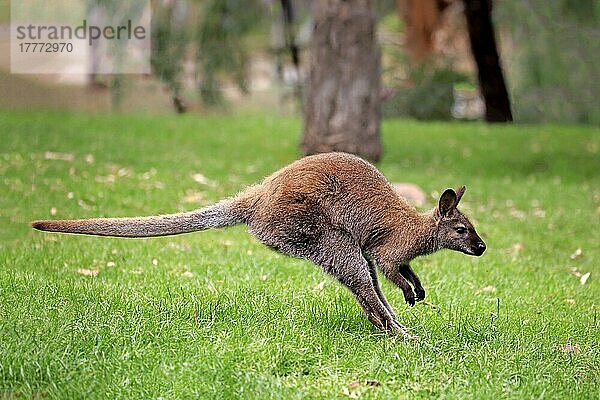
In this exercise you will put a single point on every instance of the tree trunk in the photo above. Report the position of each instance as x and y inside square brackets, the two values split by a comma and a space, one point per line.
[485, 53]
[342, 108]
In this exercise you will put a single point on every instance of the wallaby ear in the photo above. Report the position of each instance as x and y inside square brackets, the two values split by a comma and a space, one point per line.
[459, 194]
[448, 201]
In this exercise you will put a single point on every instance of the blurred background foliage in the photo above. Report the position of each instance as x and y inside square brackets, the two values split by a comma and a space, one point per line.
[210, 38]
[553, 58]
[550, 53]
[208, 54]
[222, 43]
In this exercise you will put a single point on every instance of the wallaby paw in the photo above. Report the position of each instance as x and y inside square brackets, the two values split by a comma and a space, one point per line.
[410, 299]
[420, 294]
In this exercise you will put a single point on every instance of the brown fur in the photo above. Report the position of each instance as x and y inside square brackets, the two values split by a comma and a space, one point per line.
[333, 209]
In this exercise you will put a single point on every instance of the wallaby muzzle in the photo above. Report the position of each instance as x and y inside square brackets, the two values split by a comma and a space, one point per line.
[477, 248]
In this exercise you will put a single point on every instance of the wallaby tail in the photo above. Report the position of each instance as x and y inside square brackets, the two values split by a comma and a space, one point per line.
[224, 213]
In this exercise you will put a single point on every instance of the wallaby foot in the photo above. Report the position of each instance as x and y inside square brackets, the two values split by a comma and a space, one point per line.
[402, 333]
[408, 337]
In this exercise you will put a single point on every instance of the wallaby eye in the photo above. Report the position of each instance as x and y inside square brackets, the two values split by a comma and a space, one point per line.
[461, 230]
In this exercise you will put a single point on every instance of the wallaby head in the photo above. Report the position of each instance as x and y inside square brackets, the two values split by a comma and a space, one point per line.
[454, 230]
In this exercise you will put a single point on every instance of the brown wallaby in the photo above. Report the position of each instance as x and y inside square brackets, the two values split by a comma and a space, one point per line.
[333, 209]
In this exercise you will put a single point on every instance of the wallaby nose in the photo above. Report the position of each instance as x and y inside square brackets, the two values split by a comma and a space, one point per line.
[480, 248]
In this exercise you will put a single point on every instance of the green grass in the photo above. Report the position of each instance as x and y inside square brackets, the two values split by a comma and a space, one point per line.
[217, 315]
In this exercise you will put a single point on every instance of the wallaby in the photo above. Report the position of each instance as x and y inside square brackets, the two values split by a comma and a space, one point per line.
[334, 209]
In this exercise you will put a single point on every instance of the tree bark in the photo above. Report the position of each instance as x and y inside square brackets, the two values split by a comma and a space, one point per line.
[342, 108]
[485, 53]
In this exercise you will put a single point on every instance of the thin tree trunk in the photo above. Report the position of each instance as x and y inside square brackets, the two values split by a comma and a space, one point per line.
[342, 109]
[485, 53]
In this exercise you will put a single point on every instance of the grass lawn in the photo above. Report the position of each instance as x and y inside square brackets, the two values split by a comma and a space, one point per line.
[216, 315]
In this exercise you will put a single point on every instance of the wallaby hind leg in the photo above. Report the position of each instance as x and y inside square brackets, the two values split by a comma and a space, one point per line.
[373, 272]
[338, 255]
[343, 259]
[410, 276]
